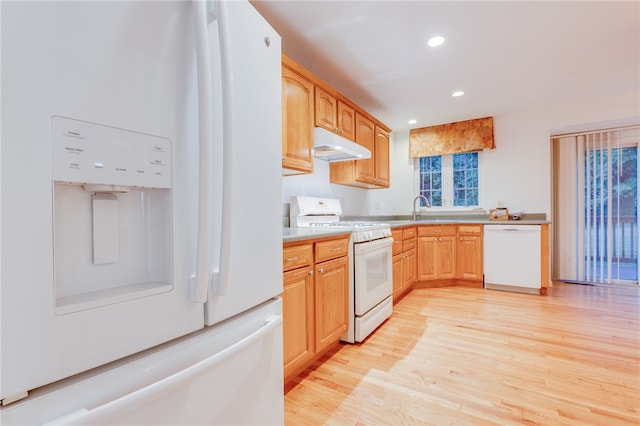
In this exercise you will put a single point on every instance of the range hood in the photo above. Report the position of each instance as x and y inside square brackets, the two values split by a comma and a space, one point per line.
[331, 147]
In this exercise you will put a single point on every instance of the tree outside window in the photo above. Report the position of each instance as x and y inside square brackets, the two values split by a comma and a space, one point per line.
[465, 179]
[431, 180]
[450, 180]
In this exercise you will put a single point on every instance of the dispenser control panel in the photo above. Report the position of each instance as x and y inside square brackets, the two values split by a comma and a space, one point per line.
[90, 153]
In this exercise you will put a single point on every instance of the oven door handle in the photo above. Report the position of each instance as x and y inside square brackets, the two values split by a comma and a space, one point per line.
[369, 246]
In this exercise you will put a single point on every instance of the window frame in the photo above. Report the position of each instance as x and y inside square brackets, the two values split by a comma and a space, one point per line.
[448, 184]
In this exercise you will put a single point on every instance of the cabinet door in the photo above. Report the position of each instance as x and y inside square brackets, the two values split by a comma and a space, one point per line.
[365, 136]
[436, 258]
[446, 257]
[470, 258]
[382, 157]
[427, 249]
[408, 268]
[396, 234]
[397, 275]
[297, 122]
[298, 318]
[332, 295]
[326, 110]
[346, 121]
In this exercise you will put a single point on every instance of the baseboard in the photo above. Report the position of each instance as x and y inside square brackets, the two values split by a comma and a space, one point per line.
[513, 288]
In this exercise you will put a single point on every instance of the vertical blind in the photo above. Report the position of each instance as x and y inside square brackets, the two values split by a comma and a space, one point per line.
[595, 206]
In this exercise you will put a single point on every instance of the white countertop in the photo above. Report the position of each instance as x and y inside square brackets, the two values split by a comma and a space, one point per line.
[299, 234]
[296, 234]
[398, 223]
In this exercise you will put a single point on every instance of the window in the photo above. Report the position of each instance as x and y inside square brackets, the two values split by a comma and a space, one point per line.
[431, 179]
[465, 179]
[450, 180]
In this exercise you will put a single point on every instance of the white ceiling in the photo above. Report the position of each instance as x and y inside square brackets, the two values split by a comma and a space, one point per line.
[505, 55]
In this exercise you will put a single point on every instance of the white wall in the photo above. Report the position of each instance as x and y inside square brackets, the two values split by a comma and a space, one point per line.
[517, 172]
[354, 201]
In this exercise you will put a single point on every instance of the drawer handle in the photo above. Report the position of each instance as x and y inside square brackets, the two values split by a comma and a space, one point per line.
[291, 259]
[336, 249]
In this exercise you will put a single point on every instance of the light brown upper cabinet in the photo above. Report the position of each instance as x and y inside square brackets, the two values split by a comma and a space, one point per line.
[309, 102]
[297, 122]
[381, 160]
[365, 136]
[370, 173]
[333, 114]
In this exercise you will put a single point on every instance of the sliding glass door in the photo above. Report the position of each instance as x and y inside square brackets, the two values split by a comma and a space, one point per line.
[610, 222]
[596, 207]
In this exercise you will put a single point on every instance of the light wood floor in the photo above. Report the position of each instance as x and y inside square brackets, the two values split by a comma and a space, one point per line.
[466, 356]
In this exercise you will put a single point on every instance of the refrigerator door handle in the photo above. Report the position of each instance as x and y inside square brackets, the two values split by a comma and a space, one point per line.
[142, 396]
[205, 171]
[220, 282]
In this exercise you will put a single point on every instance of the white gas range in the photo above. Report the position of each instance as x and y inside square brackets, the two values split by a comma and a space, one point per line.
[370, 263]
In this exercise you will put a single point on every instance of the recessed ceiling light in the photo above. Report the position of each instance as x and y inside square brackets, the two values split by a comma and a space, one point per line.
[435, 41]
[413, 121]
[457, 93]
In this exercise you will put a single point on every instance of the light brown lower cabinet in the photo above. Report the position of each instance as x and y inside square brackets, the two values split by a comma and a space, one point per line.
[469, 254]
[314, 300]
[436, 252]
[450, 254]
[297, 310]
[331, 304]
[404, 261]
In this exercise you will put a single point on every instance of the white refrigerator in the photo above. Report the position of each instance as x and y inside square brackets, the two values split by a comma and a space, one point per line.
[140, 214]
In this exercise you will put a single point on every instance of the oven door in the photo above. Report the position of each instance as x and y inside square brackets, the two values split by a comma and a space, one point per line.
[373, 280]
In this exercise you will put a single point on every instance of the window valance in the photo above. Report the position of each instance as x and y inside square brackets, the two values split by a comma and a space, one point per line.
[452, 138]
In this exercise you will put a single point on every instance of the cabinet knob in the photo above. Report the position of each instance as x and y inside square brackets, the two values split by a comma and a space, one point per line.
[311, 272]
[321, 270]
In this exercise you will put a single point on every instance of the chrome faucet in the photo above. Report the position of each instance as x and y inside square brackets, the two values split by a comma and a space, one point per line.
[416, 213]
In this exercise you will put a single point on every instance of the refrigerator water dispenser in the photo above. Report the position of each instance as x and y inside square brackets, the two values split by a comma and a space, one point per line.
[112, 214]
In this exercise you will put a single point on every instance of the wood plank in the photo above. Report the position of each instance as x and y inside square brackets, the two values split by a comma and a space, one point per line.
[459, 355]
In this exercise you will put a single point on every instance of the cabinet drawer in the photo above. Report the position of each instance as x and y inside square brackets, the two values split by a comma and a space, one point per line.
[408, 233]
[408, 244]
[297, 256]
[331, 249]
[397, 241]
[437, 230]
[474, 230]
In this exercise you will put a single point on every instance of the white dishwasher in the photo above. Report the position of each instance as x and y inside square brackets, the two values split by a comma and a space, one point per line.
[512, 258]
